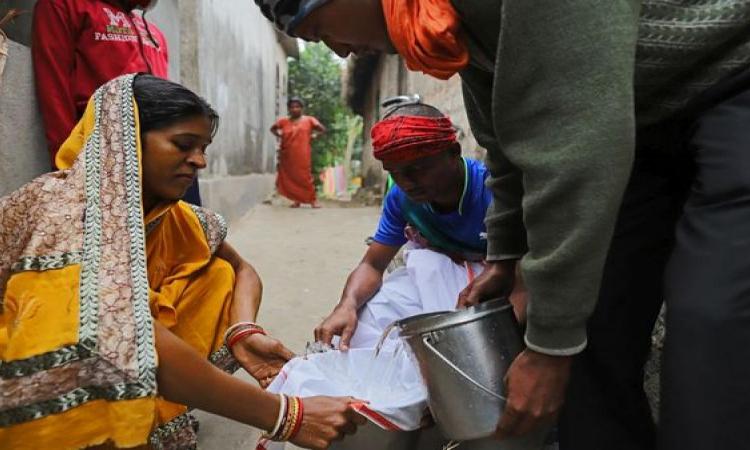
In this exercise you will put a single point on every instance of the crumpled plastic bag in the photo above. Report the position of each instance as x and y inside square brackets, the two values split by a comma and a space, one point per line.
[390, 384]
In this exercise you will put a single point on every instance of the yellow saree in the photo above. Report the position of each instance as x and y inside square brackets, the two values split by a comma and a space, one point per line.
[83, 275]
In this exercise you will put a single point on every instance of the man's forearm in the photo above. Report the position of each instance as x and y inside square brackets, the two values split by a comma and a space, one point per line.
[574, 146]
[363, 283]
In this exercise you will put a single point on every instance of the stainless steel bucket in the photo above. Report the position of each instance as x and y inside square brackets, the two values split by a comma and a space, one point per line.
[463, 357]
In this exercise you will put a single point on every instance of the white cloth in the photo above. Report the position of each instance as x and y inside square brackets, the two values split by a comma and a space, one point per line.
[391, 383]
[430, 282]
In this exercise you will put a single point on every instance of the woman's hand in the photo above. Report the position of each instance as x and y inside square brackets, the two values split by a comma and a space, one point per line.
[327, 419]
[262, 357]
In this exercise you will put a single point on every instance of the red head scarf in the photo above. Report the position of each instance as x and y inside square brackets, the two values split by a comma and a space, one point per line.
[406, 138]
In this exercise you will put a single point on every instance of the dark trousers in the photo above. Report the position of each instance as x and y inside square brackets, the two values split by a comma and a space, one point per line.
[683, 236]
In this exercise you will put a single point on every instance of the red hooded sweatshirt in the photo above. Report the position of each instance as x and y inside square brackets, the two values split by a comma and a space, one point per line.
[78, 45]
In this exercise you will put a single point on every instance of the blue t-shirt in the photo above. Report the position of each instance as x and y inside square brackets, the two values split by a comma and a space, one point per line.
[466, 224]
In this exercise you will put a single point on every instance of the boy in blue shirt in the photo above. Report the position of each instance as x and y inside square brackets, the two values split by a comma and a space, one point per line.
[436, 208]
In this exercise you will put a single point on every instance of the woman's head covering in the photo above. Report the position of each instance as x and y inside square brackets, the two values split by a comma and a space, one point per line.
[287, 14]
[76, 237]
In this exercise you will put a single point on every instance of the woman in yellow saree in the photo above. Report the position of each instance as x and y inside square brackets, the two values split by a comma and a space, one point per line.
[115, 294]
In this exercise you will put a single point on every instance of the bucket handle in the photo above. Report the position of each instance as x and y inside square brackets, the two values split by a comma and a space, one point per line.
[449, 363]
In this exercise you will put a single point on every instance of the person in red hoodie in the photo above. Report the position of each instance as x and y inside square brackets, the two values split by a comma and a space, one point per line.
[78, 45]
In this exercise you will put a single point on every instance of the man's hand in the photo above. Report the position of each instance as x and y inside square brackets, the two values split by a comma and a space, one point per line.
[536, 391]
[342, 322]
[496, 281]
[262, 357]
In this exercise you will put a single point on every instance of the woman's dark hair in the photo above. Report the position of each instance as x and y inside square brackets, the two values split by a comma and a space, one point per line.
[295, 100]
[162, 103]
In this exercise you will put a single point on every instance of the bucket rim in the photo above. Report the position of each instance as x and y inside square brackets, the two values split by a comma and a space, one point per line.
[423, 323]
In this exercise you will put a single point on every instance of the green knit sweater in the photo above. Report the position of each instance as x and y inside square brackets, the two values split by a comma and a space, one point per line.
[555, 92]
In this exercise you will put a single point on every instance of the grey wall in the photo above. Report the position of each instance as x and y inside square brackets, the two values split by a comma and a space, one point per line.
[23, 150]
[232, 57]
[20, 29]
[243, 74]
[166, 15]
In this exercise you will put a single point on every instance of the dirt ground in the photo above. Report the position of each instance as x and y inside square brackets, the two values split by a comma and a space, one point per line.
[303, 257]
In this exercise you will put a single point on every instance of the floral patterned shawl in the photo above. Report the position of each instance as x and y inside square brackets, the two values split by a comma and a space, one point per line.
[87, 219]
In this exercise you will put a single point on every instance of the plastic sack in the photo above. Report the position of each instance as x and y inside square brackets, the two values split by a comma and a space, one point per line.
[390, 383]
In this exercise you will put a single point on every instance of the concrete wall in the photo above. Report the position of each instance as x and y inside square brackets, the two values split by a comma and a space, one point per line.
[23, 150]
[391, 78]
[20, 29]
[166, 15]
[233, 58]
[243, 75]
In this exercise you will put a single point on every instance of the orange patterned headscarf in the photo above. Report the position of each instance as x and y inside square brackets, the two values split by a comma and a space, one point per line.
[427, 34]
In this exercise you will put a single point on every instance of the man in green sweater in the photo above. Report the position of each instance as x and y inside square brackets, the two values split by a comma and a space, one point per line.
[617, 143]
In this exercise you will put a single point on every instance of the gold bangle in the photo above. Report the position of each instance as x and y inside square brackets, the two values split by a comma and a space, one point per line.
[291, 419]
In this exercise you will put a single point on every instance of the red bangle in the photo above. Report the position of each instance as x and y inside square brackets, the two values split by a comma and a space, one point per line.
[242, 333]
[300, 417]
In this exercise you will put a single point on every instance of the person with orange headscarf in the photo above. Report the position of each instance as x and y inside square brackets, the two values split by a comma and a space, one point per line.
[435, 211]
[559, 93]
[295, 132]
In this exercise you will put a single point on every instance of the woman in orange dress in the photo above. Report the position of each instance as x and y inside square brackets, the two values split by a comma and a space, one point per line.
[294, 179]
